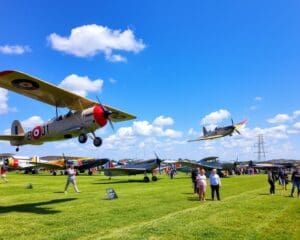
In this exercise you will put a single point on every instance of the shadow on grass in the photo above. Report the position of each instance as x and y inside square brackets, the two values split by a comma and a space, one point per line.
[121, 181]
[34, 207]
[196, 199]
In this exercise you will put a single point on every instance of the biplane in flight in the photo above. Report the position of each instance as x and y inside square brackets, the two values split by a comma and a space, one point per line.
[83, 119]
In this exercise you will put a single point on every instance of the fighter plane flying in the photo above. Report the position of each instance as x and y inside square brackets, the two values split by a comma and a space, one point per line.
[135, 167]
[61, 162]
[84, 117]
[219, 132]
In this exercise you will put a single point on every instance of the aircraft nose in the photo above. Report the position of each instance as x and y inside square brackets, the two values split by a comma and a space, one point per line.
[11, 162]
[100, 116]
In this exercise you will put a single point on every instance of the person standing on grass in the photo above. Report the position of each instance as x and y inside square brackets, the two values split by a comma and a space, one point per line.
[271, 180]
[71, 178]
[296, 182]
[285, 179]
[215, 184]
[281, 177]
[194, 180]
[3, 174]
[201, 184]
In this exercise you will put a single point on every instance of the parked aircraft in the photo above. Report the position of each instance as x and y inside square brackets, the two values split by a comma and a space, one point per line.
[135, 167]
[18, 162]
[270, 165]
[208, 164]
[84, 117]
[219, 132]
[61, 162]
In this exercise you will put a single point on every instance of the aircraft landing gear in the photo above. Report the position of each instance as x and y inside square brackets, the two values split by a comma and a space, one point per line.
[154, 178]
[97, 142]
[82, 138]
[17, 149]
[146, 179]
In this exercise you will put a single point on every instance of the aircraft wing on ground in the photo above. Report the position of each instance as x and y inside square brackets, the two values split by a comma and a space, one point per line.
[206, 138]
[49, 165]
[123, 171]
[200, 164]
[189, 164]
[45, 92]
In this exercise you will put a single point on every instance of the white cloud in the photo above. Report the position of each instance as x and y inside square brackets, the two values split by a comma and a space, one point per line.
[89, 40]
[81, 85]
[297, 125]
[112, 80]
[4, 108]
[215, 117]
[295, 128]
[28, 124]
[31, 122]
[143, 134]
[296, 114]
[163, 121]
[172, 133]
[279, 118]
[14, 49]
[3, 101]
[115, 58]
[192, 132]
[258, 98]
[253, 107]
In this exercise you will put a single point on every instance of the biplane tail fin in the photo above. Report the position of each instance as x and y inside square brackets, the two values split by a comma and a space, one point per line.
[17, 133]
[17, 129]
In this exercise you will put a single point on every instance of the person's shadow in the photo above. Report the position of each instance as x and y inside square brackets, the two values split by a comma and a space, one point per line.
[34, 207]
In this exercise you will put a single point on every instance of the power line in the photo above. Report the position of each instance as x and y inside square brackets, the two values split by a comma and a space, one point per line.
[261, 153]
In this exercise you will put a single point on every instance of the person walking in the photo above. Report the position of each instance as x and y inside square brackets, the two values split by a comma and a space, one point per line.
[296, 182]
[201, 184]
[3, 174]
[215, 184]
[271, 180]
[71, 179]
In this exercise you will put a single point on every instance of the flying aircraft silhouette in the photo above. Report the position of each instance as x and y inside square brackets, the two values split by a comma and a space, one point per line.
[219, 132]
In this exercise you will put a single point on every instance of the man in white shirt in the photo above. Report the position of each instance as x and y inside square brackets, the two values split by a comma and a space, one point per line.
[215, 183]
[71, 178]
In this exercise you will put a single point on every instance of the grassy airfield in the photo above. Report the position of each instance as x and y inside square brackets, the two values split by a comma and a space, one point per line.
[166, 209]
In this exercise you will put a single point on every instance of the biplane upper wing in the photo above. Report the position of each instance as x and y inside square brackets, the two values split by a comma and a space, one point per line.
[45, 92]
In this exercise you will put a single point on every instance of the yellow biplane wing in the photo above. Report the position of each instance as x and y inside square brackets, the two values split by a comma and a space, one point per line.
[45, 92]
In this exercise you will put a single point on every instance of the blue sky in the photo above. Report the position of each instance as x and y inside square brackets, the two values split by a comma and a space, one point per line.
[181, 60]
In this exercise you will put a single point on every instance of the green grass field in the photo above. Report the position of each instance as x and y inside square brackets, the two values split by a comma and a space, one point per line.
[166, 209]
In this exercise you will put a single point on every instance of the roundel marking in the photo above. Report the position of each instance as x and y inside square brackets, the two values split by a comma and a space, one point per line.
[37, 132]
[25, 84]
